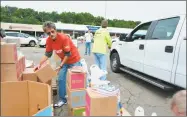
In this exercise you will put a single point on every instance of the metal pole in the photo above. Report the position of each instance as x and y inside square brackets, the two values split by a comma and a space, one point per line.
[105, 8]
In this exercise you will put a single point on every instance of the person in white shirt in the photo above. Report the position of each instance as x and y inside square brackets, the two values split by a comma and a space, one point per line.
[88, 37]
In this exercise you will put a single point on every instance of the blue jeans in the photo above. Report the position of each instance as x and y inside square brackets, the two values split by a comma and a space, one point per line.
[100, 60]
[88, 48]
[62, 80]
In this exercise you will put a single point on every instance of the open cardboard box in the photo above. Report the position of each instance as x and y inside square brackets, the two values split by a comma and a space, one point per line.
[25, 98]
[100, 105]
[30, 75]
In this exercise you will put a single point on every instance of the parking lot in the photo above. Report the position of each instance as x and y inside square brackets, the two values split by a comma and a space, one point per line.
[134, 92]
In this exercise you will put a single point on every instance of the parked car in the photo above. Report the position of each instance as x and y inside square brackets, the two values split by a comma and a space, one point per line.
[25, 39]
[155, 52]
[42, 41]
[2, 33]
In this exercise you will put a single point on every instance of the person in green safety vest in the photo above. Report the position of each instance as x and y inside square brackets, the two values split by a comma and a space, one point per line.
[102, 39]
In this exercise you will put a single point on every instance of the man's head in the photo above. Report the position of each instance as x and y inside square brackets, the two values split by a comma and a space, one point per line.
[50, 29]
[89, 31]
[104, 24]
[178, 103]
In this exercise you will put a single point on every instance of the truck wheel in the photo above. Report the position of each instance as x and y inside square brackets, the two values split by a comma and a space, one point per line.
[115, 63]
[32, 43]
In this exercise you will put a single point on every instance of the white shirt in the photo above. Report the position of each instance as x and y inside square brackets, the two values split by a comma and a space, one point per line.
[88, 37]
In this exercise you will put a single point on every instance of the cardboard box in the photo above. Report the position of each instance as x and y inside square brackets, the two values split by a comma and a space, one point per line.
[76, 80]
[75, 111]
[23, 63]
[8, 53]
[11, 72]
[30, 75]
[76, 98]
[46, 73]
[100, 105]
[25, 99]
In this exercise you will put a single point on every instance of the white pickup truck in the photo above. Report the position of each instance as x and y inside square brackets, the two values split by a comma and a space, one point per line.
[156, 55]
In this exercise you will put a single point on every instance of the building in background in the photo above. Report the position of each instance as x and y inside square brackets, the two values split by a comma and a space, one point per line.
[74, 30]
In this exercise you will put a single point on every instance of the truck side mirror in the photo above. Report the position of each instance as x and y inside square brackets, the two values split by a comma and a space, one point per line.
[128, 39]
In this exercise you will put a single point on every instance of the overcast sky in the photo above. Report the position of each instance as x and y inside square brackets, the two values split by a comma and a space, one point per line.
[127, 10]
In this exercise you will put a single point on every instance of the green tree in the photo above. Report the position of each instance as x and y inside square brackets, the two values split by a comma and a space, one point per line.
[30, 16]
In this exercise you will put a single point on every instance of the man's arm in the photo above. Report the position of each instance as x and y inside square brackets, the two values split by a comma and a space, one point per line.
[108, 40]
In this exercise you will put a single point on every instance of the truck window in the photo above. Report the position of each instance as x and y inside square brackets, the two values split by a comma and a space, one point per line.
[141, 32]
[165, 29]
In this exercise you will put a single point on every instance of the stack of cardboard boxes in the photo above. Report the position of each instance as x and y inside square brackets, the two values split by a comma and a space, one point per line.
[12, 65]
[24, 92]
[76, 91]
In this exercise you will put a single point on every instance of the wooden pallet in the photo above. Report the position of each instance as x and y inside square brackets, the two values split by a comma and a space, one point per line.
[54, 84]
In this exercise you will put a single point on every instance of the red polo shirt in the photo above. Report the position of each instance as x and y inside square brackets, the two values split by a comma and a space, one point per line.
[61, 45]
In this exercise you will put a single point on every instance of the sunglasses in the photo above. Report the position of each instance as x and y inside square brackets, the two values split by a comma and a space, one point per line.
[49, 33]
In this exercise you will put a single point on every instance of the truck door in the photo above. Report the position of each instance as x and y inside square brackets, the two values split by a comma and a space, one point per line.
[180, 74]
[160, 48]
[132, 51]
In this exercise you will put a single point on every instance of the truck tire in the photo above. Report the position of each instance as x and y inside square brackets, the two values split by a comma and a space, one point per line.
[32, 43]
[115, 63]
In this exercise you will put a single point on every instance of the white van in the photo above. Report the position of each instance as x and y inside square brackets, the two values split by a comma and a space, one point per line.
[158, 54]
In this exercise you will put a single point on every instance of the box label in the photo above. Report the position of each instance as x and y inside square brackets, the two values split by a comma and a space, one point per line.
[77, 81]
[78, 98]
[78, 111]
[87, 105]
[87, 110]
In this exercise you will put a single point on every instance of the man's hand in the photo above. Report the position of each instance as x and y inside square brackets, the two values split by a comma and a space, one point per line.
[57, 69]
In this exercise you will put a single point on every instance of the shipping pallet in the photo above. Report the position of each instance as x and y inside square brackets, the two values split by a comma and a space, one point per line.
[54, 86]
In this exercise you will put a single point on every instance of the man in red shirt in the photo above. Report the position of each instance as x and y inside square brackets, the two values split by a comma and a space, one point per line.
[63, 46]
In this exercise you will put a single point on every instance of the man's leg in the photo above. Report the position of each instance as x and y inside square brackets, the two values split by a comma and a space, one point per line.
[62, 86]
[86, 46]
[75, 64]
[103, 65]
[97, 59]
[89, 48]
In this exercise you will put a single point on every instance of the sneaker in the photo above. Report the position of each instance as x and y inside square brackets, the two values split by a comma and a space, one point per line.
[59, 104]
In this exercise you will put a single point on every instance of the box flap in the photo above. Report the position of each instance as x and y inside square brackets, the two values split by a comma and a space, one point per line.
[48, 111]
[38, 96]
[29, 70]
[14, 99]
[93, 94]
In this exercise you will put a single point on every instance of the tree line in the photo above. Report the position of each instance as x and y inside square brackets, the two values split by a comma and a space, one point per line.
[30, 16]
